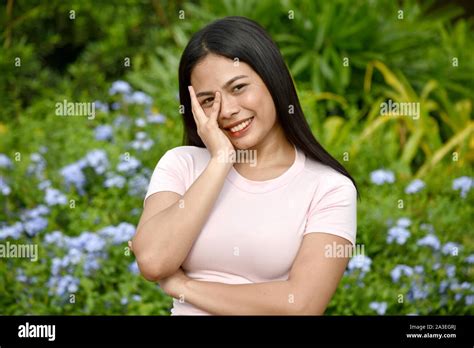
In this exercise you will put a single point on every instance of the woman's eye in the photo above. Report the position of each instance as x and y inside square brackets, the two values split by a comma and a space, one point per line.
[239, 87]
[205, 102]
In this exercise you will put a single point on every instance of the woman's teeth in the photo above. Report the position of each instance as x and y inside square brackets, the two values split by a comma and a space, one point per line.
[241, 126]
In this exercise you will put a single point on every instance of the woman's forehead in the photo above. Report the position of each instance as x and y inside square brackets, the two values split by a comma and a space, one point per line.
[217, 70]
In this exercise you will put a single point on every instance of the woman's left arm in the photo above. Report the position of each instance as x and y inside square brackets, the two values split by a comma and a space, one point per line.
[312, 281]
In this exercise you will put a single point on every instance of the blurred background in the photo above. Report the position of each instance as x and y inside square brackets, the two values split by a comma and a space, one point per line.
[72, 182]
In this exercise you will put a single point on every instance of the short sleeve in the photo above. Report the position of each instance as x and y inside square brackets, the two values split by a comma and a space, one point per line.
[168, 175]
[335, 212]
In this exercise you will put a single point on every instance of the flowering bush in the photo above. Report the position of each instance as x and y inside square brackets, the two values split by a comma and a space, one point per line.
[73, 211]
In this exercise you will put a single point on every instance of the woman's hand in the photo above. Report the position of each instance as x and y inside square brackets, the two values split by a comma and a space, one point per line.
[208, 129]
[175, 284]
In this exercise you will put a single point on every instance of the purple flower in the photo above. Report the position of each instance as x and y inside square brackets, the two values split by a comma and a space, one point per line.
[464, 183]
[56, 238]
[94, 243]
[74, 256]
[142, 142]
[35, 225]
[469, 300]
[415, 186]
[404, 222]
[133, 268]
[20, 275]
[114, 180]
[104, 107]
[86, 241]
[450, 270]
[443, 286]
[91, 264]
[40, 210]
[14, 231]
[156, 118]
[56, 265]
[417, 292]
[118, 234]
[103, 132]
[470, 259]
[54, 197]
[121, 120]
[61, 285]
[419, 269]
[73, 176]
[361, 262]
[37, 165]
[138, 185]
[5, 161]
[120, 87]
[381, 176]
[429, 240]
[97, 159]
[397, 234]
[140, 122]
[379, 307]
[4, 188]
[44, 184]
[138, 97]
[400, 270]
[128, 164]
[450, 248]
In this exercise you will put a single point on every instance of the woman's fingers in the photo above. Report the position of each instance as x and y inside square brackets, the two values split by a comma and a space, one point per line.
[216, 106]
[196, 108]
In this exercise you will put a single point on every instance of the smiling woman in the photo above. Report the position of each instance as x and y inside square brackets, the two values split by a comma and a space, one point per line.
[224, 236]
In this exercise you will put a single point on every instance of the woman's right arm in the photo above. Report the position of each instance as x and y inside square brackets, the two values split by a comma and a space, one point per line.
[165, 237]
[169, 226]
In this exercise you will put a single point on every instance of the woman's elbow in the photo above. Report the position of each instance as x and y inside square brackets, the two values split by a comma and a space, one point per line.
[153, 270]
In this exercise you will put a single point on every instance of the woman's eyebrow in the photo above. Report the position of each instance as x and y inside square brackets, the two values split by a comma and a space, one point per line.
[200, 94]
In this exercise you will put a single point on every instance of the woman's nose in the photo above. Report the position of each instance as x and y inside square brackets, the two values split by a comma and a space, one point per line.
[229, 106]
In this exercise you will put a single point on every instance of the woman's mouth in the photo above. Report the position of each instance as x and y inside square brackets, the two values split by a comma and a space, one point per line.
[240, 129]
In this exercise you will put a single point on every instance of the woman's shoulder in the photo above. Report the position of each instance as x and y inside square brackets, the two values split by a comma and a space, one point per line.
[187, 151]
[325, 174]
[187, 156]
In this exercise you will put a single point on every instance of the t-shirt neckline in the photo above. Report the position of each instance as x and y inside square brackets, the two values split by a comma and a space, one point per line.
[268, 185]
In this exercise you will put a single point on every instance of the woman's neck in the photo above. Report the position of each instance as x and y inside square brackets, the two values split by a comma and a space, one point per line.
[274, 152]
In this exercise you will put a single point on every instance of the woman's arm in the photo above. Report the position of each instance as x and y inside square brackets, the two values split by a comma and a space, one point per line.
[312, 281]
[162, 242]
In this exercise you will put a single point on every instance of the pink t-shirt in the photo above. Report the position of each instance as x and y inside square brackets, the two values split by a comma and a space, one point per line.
[255, 228]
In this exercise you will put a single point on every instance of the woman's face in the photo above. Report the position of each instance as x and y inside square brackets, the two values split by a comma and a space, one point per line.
[244, 97]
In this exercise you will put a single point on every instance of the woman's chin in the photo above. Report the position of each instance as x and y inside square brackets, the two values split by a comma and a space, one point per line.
[242, 145]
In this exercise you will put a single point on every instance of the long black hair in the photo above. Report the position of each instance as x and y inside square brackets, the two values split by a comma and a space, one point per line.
[242, 38]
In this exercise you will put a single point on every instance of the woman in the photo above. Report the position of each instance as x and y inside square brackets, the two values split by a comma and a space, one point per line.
[227, 236]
